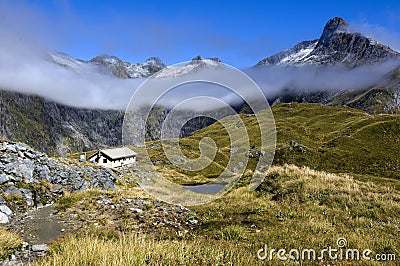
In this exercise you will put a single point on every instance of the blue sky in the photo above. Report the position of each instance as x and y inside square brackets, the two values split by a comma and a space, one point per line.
[239, 32]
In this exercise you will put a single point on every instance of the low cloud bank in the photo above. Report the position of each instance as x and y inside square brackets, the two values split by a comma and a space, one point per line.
[26, 67]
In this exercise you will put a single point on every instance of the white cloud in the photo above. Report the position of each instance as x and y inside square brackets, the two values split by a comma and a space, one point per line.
[25, 67]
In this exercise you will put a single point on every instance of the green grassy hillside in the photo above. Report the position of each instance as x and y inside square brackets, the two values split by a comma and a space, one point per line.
[338, 139]
[328, 138]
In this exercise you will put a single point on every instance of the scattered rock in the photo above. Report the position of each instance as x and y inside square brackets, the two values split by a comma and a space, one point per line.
[4, 218]
[39, 248]
[293, 143]
[4, 178]
[302, 149]
[22, 164]
[56, 189]
[137, 210]
[12, 190]
[193, 221]
[11, 148]
[249, 155]
[233, 150]
[296, 146]
[38, 180]
[5, 209]
[103, 201]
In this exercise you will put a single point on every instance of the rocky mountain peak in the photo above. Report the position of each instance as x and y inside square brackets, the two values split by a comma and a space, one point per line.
[155, 61]
[333, 26]
[200, 58]
[336, 46]
[336, 24]
[105, 58]
[197, 63]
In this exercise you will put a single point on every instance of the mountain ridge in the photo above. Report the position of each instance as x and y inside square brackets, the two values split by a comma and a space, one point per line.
[109, 64]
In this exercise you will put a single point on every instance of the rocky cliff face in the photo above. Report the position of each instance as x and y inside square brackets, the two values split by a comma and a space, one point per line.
[57, 129]
[383, 97]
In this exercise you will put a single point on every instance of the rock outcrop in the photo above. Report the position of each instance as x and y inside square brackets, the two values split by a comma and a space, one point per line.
[31, 179]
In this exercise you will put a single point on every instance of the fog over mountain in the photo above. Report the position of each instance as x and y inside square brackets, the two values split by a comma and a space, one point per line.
[35, 74]
[105, 82]
[275, 79]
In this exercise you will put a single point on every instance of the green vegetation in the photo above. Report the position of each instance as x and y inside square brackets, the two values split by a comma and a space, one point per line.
[338, 139]
[9, 243]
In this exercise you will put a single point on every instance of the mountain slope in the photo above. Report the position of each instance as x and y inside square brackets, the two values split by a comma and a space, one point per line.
[328, 138]
[57, 129]
[384, 97]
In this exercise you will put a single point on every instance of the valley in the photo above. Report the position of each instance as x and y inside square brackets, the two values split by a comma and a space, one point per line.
[333, 145]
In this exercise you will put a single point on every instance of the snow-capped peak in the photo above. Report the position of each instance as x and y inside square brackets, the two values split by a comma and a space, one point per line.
[196, 64]
[109, 65]
[337, 45]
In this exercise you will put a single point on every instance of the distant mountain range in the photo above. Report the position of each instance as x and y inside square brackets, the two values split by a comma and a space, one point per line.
[109, 65]
[113, 66]
[57, 129]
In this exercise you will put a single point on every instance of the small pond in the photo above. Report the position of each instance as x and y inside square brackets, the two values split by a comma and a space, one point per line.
[206, 188]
